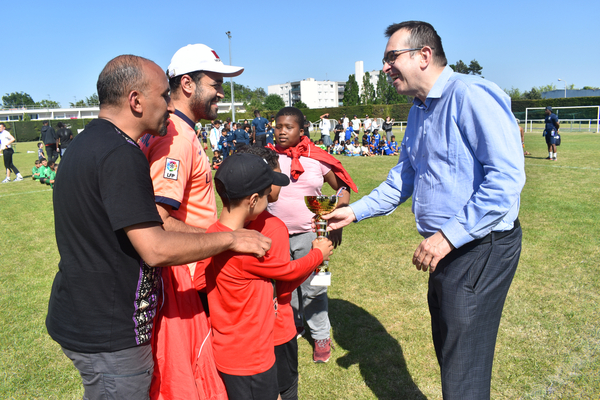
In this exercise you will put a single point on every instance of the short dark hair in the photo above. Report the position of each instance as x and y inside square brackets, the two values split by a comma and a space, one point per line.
[120, 76]
[2, 123]
[60, 125]
[175, 82]
[270, 156]
[227, 202]
[421, 34]
[292, 112]
[256, 112]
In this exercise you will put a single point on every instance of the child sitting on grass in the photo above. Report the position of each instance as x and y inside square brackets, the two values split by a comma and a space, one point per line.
[308, 168]
[239, 286]
[49, 175]
[35, 171]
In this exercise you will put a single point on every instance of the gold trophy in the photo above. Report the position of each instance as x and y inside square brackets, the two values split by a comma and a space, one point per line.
[321, 205]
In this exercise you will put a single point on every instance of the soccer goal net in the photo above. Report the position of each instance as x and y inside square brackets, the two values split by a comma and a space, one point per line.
[573, 118]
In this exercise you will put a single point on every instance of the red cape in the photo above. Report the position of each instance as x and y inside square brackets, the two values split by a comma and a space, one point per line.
[306, 148]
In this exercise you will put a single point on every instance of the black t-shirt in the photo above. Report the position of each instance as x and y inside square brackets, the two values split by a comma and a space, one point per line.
[103, 297]
[64, 135]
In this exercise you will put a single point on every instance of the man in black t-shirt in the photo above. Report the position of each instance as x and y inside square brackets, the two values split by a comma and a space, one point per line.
[65, 136]
[110, 238]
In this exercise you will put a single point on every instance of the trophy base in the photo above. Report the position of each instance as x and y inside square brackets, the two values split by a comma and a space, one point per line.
[321, 279]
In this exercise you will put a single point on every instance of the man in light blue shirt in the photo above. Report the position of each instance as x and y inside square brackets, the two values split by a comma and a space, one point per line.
[462, 163]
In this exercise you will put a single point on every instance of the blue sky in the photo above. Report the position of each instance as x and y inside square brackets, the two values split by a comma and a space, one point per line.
[55, 50]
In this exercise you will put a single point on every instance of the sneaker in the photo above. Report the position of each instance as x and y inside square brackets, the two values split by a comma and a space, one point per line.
[322, 351]
[299, 332]
[548, 158]
[554, 159]
[6, 180]
[18, 178]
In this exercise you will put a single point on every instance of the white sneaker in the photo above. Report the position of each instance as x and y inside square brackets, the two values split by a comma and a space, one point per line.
[6, 180]
[18, 178]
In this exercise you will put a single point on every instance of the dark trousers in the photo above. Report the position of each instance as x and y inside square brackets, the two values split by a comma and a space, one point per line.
[8, 162]
[261, 140]
[51, 152]
[466, 297]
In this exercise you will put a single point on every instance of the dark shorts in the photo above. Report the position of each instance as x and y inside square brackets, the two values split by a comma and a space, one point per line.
[123, 374]
[286, 358]
[261, 386]
[550, 139]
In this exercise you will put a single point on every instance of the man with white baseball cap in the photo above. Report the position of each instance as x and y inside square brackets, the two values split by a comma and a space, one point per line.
[185, 200]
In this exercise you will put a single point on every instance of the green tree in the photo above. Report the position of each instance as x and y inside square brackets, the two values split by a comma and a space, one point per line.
[533, 94]
[380, 90]
[300, 104]
[460, 67]
[547, 88]
[368, 92]
[351, 92]
[590, 88]
[514, 93]
[17, 99]
[78, 104]
[48, 104]
[473, 69]
[92, 101]
[274, 102]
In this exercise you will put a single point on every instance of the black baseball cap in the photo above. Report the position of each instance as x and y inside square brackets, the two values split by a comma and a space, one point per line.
[243, 174]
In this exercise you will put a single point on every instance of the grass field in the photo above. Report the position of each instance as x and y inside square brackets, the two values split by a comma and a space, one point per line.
[549, 339]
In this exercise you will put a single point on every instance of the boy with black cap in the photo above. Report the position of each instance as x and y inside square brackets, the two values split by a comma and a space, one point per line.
[240, 290]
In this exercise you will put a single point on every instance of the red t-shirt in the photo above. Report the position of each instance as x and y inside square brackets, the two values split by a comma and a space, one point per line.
[274, 228]
[240, 297]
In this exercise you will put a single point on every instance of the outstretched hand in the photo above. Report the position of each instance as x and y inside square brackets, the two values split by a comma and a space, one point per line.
[431, 251]
[250, 241]
[339, 218]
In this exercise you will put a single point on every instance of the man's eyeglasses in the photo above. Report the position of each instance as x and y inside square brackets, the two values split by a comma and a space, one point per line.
[392, 55]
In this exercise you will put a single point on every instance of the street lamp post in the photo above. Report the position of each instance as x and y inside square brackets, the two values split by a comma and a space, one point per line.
[228, 33]
[565, 86]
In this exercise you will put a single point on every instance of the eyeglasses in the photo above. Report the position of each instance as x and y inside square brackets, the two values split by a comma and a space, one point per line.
[392, 55]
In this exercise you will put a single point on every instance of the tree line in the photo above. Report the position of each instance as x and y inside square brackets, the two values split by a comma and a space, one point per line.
[22, 99]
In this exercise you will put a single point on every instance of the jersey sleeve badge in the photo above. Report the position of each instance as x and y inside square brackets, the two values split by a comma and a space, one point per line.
[171, 169]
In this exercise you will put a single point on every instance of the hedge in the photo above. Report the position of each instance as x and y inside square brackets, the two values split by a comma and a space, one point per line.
[30, 131]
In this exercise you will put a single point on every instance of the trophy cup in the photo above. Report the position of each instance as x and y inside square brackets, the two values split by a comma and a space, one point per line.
[321, 205]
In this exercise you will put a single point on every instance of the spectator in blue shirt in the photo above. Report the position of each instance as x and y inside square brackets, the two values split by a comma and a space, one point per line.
[464, 168]
[259, 129]
[349, 132]
[241, 136]
[550, 131]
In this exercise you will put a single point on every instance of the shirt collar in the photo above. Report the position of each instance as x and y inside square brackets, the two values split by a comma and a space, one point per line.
[185, 118]
[436, 90]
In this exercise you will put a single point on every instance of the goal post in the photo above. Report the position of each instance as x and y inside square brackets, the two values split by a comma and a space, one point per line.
[530, 120]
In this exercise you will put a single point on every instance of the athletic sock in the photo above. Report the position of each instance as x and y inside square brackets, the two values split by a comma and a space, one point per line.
[550, 155]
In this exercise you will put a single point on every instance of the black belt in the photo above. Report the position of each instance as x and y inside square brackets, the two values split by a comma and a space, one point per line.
[497, 235]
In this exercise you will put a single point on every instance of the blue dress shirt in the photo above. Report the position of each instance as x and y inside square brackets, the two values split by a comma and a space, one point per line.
[461, 160]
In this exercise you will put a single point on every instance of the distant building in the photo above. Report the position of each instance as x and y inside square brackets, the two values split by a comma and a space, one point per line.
[359, 75]
[560, 93]
[321, 94]
[313, 93]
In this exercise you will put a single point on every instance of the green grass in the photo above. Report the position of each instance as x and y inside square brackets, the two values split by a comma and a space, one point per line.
[549, 339]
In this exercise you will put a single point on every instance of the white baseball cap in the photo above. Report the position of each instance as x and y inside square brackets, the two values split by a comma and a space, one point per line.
[199, 57]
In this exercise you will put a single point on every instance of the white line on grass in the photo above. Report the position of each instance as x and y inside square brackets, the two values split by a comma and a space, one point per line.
[16, 194]
[561, 166]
